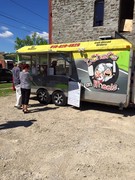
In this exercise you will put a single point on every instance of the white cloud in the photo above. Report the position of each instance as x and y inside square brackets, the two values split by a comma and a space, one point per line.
[4, 28]
[44, 35]
[6, 34]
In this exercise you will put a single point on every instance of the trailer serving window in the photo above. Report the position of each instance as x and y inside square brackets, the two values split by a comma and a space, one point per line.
[37, 62]
[58, 65]
[48, 63]
[50, 73]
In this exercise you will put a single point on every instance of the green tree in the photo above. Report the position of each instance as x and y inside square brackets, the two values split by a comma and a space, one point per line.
[29, 40]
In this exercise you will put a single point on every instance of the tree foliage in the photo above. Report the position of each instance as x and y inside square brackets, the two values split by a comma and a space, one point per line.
[29, 41]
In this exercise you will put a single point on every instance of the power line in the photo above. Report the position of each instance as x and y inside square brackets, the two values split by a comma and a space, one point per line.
[15, 26]
[18, 20]
[13, 19]
[28, 10]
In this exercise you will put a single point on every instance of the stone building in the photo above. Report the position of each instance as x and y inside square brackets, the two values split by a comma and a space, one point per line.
[83, 20]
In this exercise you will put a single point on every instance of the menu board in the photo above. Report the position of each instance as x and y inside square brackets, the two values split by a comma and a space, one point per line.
[74, 93]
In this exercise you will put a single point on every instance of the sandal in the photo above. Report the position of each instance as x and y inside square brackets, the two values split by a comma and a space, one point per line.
[26, 111]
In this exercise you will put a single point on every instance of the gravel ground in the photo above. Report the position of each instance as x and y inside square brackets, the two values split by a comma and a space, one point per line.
[66, 143]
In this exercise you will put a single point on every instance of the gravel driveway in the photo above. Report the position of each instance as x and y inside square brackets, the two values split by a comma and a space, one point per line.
[65, 143]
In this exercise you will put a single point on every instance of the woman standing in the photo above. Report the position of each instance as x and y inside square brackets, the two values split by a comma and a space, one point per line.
[25, 80]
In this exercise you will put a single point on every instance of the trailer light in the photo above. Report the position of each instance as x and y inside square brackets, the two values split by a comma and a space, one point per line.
[128, 47]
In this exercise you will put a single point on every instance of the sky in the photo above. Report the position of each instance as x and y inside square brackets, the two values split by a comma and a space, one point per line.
[19, 18]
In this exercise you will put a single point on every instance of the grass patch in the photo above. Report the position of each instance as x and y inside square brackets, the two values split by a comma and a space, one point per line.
[5, 85]
[6, 92]
[6, 89]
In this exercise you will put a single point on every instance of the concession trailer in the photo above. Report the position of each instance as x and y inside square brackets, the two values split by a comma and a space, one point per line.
[95, 71]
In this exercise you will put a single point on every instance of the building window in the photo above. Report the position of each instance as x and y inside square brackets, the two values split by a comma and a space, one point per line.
[98, 13]
[126, 15]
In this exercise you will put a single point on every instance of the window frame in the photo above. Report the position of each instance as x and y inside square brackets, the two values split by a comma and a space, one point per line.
[97, 7]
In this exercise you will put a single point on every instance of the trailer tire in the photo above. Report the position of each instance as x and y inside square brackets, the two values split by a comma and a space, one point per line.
[59, 98]
[43, 96]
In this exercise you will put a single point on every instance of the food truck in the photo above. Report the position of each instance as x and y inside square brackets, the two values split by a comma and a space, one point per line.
[95, 71]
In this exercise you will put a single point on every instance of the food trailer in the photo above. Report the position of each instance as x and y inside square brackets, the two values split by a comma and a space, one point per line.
[96, 71]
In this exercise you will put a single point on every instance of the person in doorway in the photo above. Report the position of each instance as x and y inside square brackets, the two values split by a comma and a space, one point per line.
[25, 80]
[53, 65]
[16, 83]
[34, 70]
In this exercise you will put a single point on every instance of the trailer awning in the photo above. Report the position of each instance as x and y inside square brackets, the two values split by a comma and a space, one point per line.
[77, 46]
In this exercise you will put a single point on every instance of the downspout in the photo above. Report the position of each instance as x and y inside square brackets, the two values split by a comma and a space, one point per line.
[50, 21]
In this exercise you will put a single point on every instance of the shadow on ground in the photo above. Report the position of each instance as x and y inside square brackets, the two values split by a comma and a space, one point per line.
[42, 109]
[15, 124]
[130, 111]
[33, 97]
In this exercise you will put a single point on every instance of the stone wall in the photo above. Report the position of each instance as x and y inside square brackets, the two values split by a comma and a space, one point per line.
[72, 21]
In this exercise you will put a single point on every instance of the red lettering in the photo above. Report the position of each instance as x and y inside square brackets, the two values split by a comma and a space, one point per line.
[104, 56]
[112, 87]
[78, 44]
[71, 45]
[54, 46]
[74, 45]
[65, 45]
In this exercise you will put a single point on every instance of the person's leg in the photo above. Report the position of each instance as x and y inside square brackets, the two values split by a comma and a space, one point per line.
[23, 98]
[25, 108]
[18, 95]
[27, 96]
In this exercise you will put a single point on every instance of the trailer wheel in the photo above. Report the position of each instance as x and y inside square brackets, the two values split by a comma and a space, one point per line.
[43, 96]
[58, 98]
